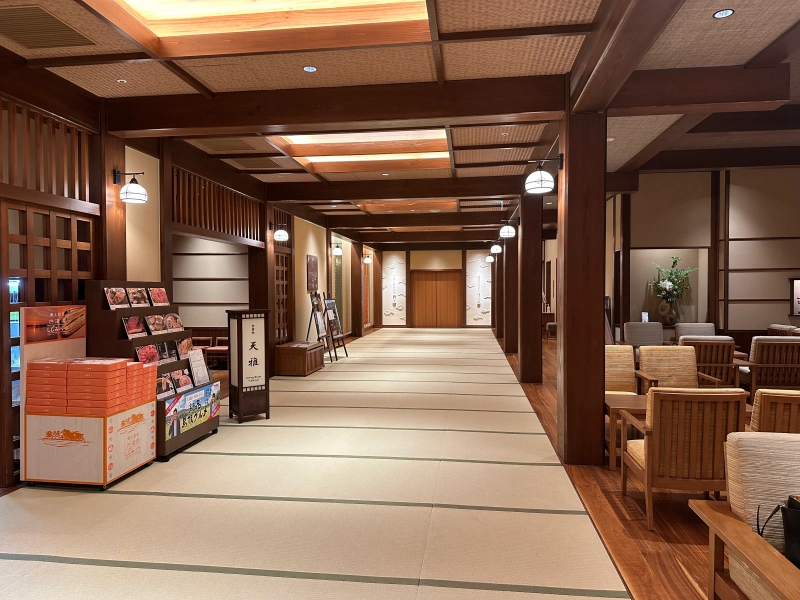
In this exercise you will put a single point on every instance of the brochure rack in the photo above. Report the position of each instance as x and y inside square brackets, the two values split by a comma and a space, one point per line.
[198, 410]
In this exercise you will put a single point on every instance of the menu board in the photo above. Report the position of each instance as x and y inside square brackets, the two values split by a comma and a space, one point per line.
[796, 297]
[254, 372]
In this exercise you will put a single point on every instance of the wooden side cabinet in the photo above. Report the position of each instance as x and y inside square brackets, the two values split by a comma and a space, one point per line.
[299, 359]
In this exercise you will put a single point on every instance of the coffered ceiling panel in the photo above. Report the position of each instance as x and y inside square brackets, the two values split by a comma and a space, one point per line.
[141, 79]
[226, 145]
[499, 171]
[629, 135]
[374, 176]
[102, 38]
[409, 206]
[737, 139]
[279, 162]
[493, 156]
[695, 38]
[511, 58]
[503, 134]
[474, 15]
[794, 80]
[285, 177]
[337, 68]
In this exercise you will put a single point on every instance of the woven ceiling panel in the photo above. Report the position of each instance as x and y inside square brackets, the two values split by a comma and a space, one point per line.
[279, 162]
[491, 171]
[486, 203]
[337, 68]
[222, 145]
[420, 174]
[483, 136]
[285, 177]
[695, 39]
[511, 58]
[794, 80]
[631, 135]
[143, 79]
[474, 15]
[740, 139]
[493, 156]
[106, 40]
[485, 209]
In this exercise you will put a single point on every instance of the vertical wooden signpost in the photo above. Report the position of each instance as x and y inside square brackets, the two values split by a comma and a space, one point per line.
[247, 363]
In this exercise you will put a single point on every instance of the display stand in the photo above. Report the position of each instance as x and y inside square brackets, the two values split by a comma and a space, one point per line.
[107, 337]
[334, 325]
[317, 319]
[247, 363]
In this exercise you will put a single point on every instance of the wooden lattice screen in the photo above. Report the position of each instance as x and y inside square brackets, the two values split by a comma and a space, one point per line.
[284, 291]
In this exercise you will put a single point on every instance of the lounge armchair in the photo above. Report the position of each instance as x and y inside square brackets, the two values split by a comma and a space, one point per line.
[776, 411]
[774, 363]
[714, 356]
[671, 366]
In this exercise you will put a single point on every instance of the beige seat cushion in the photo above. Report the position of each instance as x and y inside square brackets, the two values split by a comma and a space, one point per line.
[763, 470]
[769, 338]
[636, 450]
[704, 329]
[644, 334]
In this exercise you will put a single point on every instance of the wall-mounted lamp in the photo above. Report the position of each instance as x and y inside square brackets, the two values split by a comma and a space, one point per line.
[337, 250]
[132, 192]
[540, 181]
[508, 231]
[496, 249]
[280, 234]
[368, 259]
[490, 259]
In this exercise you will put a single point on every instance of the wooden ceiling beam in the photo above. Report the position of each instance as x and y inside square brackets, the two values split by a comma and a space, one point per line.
[702, 90]
[622, 183]
[358, 108]
[376, 166]
[787, 44]
[625, 30]
[418, 219]
[520, 33]
[433, 24]
[663, 141]
[89, 60]
[412, 246]
[786, 117]
[723, 158]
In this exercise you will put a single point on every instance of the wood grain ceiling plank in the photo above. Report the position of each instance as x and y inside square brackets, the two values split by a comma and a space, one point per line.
[388, 147]
[662, 142]
[724, 158]
[417, 219]
[361, 166]
[433, 25]
[786, 117]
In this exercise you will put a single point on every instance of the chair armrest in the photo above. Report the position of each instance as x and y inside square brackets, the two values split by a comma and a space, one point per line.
[710, 379]
[648, 378]
[631, 420]
[741, 363]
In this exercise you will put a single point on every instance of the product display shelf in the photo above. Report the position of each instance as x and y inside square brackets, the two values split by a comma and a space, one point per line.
[106, 336]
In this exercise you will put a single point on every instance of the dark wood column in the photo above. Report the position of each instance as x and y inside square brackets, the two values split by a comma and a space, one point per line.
[625, 259]
[529, 286]
[713, 251]
[356, 289]
[377, 289]
[267, 292]
[165, 183]
[581, 288]
[329, 259]
[108, 153]
[511, 297]
[499, 298]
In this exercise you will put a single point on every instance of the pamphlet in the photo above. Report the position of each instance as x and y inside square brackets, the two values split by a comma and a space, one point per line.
[197, 364]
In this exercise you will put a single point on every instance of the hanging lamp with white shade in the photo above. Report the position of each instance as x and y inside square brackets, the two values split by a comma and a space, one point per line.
[496, 249]
[539, 182]
[281, 235]
[508, 231]
[337, 250]
[132, 192]
[368, 259]
[490, 259]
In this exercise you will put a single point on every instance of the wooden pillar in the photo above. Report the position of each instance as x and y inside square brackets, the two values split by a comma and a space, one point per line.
[357, 289]
[329, 258]
[493, 292]
[581, 288]
[499, 299]
[409, 308]
[377, 288]
[511, 297]
[529, 285]
[108, 153]
[166, 196]
[713, 251]
[625, 259]
[266, 292]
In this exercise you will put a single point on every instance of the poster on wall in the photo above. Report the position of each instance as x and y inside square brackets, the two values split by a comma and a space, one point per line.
[312, 273]
[478, 278]
[53, 323]
[796, 297]
[190, 410]
[254, 373]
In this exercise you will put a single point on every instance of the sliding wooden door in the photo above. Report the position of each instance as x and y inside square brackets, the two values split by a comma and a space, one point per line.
[437, 298]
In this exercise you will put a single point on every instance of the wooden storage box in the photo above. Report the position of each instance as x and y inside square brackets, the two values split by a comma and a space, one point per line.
[299, 358]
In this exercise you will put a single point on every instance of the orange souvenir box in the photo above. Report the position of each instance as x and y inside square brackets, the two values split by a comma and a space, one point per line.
[97, 389]
[95, 403]
[45, 410]
[47, 375]
[62, 402]
[49, 364]
[98, 364]
[101, 397]
[31, 388]
[62, 395]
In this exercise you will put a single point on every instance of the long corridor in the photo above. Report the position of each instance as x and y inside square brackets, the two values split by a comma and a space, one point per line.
[415, 468]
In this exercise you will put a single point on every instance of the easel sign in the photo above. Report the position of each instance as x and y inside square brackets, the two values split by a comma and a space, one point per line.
[317, 319]
[334, 326]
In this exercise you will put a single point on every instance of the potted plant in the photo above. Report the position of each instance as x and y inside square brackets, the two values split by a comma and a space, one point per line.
[670, 285]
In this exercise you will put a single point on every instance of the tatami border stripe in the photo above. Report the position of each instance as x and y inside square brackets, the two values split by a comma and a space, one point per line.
[544, 511]
[402, 392]
[413, 458]
[379, 428]
[192, 568]
[484, 410]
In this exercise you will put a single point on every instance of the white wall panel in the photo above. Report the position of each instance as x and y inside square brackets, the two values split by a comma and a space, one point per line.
[394, 288]
[764, 203]
[185, 243]
[436, 260]
[761, 285]
[201, 267]
[759, 316]
[211, 291]
[208, 316]
[143, 221]
[765, 254]
[479, 289]
[308, 239]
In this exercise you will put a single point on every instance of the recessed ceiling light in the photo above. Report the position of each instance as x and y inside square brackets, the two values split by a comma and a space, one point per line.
[310, 69]
[505, 133]
[385, 174]
[434, 210]
[609, 139]
[724, 13]
[413, 210]
[549, 203]
[122, 81]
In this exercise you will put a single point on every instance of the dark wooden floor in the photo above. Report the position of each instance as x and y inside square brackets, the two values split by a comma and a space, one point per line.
[668, 563]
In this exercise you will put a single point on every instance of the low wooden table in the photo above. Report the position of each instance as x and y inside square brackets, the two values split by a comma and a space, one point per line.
[299, 358]
[634, 404]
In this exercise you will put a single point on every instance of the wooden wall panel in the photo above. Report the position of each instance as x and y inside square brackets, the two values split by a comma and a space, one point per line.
[356, 289]
[511, 297]
[499, 295]
[422, 301]
[449, 299]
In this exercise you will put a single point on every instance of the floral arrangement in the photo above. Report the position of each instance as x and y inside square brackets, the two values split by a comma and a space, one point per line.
[671, 284]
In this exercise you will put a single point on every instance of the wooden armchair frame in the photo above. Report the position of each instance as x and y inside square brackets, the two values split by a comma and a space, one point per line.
[776, 411]
[648, 380]
[715, 359]
[776, 364]
[698, 448]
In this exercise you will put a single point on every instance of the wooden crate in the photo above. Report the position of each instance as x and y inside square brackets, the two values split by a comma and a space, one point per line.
[299, 358]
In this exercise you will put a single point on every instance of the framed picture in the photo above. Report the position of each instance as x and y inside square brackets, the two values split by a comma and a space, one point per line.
[117, 298]
[795, 290]
[320, 323]
[332, 313]
[312, 273]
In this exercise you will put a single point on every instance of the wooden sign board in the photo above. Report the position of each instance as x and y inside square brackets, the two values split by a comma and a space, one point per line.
[795, 290]
[312, 273]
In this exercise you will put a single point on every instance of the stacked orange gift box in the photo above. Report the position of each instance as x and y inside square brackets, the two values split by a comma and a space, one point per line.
[87, 386]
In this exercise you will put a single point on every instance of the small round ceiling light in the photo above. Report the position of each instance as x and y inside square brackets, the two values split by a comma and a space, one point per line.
[310, 69]
[723, 14]
[368, 259]
[281, 235]
[385, 174]
[496, 249]
[490, 259]
[122, 81]
[539, 182]
[133, 193]
[507, 231]
[434, 210]
[337, 250]
[610, 139]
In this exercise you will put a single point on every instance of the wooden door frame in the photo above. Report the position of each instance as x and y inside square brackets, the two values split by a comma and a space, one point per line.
[409, 292]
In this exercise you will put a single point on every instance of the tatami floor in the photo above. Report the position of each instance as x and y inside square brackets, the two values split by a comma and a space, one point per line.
[413, 469]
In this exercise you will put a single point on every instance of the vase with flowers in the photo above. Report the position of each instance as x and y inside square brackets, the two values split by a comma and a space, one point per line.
[670, 285]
